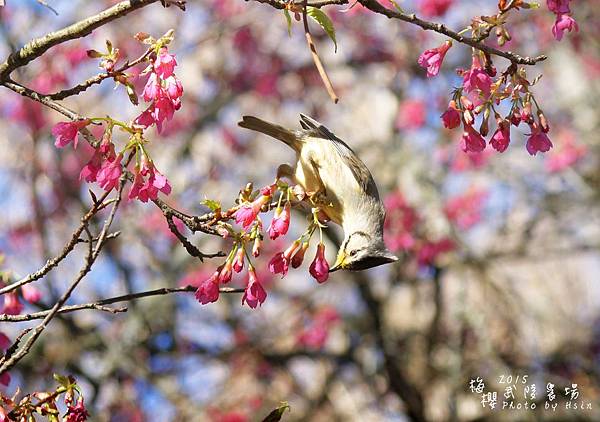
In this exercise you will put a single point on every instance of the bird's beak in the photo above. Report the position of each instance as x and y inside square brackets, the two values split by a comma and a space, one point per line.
[339, 262]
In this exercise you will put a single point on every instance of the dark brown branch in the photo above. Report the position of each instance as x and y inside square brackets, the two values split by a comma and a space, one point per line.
[477, 43]
[281, 4]
[101, 304]
[38, 46]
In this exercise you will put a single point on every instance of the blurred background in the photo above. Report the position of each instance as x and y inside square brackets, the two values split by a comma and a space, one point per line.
[500, 253]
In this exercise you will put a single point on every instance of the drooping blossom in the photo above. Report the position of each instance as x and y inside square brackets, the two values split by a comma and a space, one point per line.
[477, 78]
[254, 294]
[538, 141]
[451, 117]
[12, 304]
[77, 413]
[280, 262]
[563, 23]
[226, 273]
[319, 268]
[432, 59]
[148, 188]
[501, 138]
[165, 63]
[109, 174]
[281, 222]
[471, 140]
[208, 290]
[246, 214]
[67, 132]
[31, 293]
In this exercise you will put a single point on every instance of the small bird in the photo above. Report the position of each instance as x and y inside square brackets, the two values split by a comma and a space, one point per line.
[343, 187]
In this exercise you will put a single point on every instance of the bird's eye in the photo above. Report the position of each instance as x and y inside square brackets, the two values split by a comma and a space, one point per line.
[353, 252]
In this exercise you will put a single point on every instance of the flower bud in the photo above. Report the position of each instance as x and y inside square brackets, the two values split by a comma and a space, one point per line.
[299, 256]
[256, 247]
[238, 262]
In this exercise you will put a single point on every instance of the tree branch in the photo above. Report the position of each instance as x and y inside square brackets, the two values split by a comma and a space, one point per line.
[477, 43]
[38, 46]
[100, 305]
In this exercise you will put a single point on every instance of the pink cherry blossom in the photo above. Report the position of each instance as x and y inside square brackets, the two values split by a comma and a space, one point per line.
[31, 293]
[281, 222]
[254, 294]
[501, 138]
[110, 173]
[89, 172]
[538, 141]
[152, 89]
[432, 8]
[247, 213]
[145, 119]
[471, 140]
[451, 116]
[226, 273]
[477, 78]
[299, 255]
[77, 413]
[559, 6]
[208, 290]
[430, 250]
[173, 88]
[563, 23]
[67, 132]
[466, 210]
[432, 59]
[12, 304]
[165, 63]
[279, 264]
[319, 268]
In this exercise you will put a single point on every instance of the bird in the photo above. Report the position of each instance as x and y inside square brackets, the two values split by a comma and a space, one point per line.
[329, 170]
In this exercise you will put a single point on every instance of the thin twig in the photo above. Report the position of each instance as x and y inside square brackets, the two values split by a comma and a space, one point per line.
[316, 58]
[101, 304]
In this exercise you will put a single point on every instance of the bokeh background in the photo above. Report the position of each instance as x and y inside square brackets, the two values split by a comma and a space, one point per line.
[500, 265]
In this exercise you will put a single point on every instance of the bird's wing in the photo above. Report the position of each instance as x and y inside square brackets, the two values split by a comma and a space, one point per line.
[360, 172]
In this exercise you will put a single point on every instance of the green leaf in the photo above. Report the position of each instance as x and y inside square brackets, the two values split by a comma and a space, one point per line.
[288, 18]
[212, 204]
[109, 46]
[323, 20]
[62, 380]
[131, 93]
[277, 414]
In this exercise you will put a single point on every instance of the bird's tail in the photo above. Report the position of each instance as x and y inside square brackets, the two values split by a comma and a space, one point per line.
[278, 132]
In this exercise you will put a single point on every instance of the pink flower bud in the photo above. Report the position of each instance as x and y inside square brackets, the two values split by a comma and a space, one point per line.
[226, 273]
[319, 268]
[563, 23]
[165, 63]
[501, 138]
[451, 116]
[12, 304]
[299, 256]
[256, 247]
[515, 117]
[238, 262]
[208, 290]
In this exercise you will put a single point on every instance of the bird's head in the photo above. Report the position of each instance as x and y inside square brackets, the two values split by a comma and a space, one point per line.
[360, 251]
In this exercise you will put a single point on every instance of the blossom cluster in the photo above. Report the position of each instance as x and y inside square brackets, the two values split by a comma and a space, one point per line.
[248, 243]
[163, 90]
[483, 90]
[564, 20]
[44, 404]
